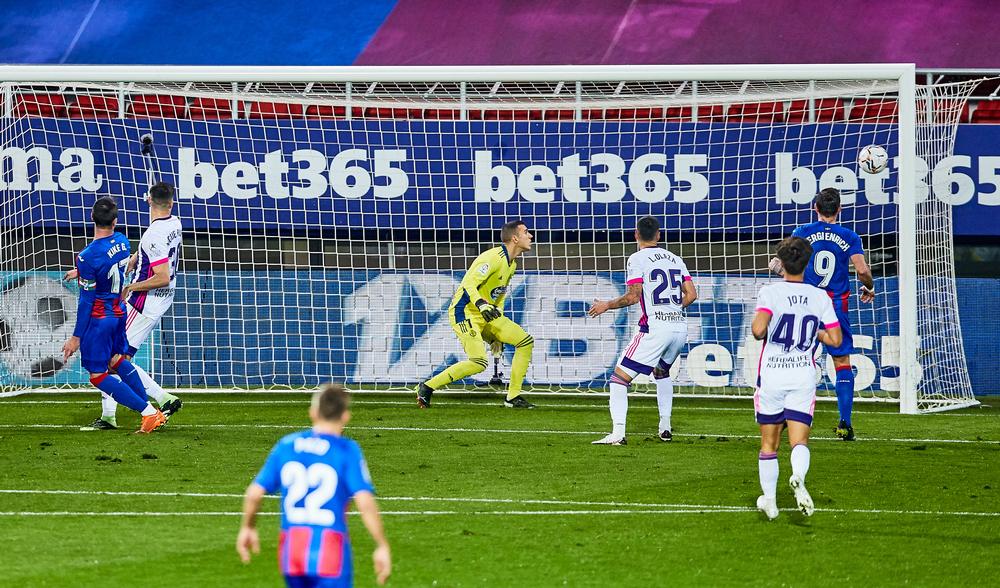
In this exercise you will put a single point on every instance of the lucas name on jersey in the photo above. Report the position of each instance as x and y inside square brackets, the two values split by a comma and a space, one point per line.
[829, 236]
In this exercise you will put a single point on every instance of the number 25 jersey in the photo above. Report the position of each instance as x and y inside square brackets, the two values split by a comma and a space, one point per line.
[662, 275]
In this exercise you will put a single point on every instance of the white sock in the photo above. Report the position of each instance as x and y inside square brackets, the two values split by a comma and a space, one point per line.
[665, 401]
[148, 410]
[767, 466]
[108, 406]
[152, 388]
[800, 461]
[619, 409]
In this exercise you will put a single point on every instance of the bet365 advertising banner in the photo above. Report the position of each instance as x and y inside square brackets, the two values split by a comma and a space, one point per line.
[469, 175]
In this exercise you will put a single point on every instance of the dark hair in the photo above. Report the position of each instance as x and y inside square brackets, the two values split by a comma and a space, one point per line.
[162, 194]
[828, 201]
[331, 402]
[104, 212]
[509, 229]
[794, 253]
[647, 228]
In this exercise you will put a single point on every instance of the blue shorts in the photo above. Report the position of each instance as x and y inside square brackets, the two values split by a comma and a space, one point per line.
[846, 346]
[103, 339]
[344, 581]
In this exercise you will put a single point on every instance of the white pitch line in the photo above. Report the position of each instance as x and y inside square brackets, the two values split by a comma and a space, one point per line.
[472, 403]
[301, 426]
[730, 510]
[381, 498]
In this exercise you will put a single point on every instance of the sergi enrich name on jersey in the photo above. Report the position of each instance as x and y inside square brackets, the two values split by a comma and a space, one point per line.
[829, 236]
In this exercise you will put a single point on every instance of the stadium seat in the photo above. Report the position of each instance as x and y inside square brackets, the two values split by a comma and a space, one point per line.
[403, 113]
[47, 105]
[559, 114]
[275, 110]
[512, 114]
[157, 106]
[826, 110]
[873, 111]
[987, 111]
[322, 111]
[633, 113]
[212, 108]
[757, 112]
[944, 110]
[710, 112]
[87, 106]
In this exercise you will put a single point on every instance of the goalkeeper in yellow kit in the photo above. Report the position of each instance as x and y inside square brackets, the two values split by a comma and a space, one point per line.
[476, 315]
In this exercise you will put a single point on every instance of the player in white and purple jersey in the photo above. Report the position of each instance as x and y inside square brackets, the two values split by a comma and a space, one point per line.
[149, 296]
[660, 282]
[318, 472]
[100, 318]
[792, 317]
[835, 248]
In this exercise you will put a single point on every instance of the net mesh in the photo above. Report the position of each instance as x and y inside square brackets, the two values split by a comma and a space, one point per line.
[327, 225]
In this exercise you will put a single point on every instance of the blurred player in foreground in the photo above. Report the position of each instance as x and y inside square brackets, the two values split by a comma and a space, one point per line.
[100, 318]
[319, 472]
[835, 248]
[149, 297]
[791, 316]
[476, 315]
[661, 283]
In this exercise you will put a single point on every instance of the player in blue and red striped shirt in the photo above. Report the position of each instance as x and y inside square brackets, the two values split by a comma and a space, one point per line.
[100, 317]
[319, 472]
[835, 248]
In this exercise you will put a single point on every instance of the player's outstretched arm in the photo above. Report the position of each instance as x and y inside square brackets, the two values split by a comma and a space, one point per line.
[759, 325]
[159, 279]
[832, 337]
[865, 277]
[248, 541]
[631, 296]
[381, 557]
[690, 293]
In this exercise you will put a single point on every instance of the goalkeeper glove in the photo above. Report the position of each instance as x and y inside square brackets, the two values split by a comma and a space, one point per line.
[490, 313]
[496, 348]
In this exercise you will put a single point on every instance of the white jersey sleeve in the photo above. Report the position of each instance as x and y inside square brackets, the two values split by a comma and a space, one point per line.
[160, 244]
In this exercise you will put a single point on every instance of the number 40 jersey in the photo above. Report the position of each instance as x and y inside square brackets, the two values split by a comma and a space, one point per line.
[318, 475]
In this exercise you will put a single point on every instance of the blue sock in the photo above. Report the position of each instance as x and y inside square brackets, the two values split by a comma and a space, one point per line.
[845, 393]
[127, 372]
[119, 391]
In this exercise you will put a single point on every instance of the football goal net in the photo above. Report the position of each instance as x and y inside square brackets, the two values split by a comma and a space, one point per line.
[329, 214]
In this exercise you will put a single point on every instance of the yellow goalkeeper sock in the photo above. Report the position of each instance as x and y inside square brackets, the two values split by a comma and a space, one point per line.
[518, 369]
[462, 369]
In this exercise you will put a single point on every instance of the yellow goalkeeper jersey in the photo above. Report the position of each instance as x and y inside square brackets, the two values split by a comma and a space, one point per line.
[488, 277]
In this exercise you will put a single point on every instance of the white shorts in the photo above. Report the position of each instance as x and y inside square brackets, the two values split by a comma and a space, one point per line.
[774, 407]
[138, 327]
[656, 348]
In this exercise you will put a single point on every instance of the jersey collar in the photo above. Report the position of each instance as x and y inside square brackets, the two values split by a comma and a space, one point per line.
[505, 252]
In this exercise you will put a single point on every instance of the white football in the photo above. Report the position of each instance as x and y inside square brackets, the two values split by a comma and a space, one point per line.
[37, 315]
[872, 159]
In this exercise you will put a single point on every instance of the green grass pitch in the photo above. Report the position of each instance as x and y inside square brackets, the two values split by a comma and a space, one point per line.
[478, 495]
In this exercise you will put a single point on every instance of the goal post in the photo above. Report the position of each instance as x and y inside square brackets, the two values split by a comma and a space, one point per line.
[330, 211]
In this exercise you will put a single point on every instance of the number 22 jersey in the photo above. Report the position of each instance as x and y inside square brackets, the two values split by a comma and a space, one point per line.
[318, 475]
[798, 311]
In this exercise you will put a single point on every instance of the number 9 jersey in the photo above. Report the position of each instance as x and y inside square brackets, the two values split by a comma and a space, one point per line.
[830, 265]
[318, 475]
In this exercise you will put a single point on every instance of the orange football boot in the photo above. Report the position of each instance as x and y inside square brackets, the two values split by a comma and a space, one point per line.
[152, 422]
